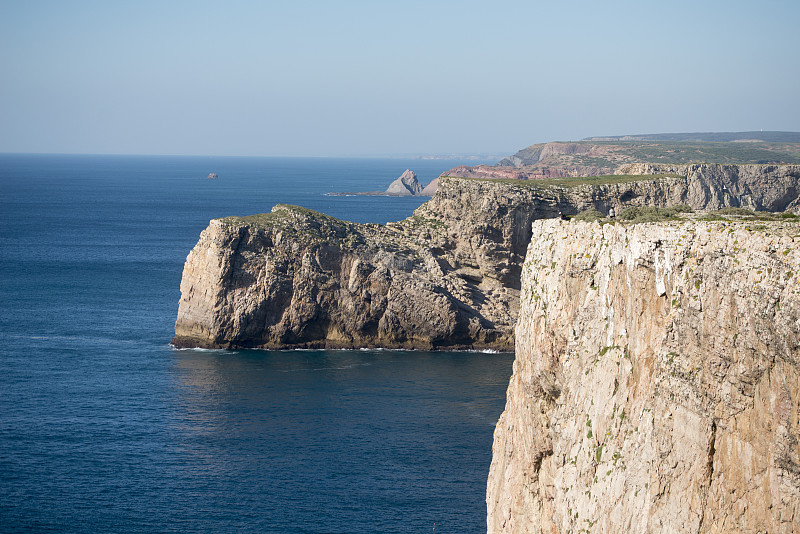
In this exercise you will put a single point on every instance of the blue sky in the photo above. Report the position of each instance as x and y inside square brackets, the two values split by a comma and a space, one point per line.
[358, 78]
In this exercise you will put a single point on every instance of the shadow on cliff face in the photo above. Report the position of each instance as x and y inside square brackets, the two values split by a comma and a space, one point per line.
[447, 277]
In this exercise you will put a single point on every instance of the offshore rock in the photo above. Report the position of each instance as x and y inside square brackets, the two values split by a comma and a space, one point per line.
[431, 188]
[656, 386]
[407, 184]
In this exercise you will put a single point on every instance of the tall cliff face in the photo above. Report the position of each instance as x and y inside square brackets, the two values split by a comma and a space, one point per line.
[593, 157]
[536, 153]
[656, 386]
[759, 187]
[295, 278]
[703, 187]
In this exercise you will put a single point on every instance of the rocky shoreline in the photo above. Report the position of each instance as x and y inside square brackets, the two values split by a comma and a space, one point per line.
[656, 384]
[447, 277]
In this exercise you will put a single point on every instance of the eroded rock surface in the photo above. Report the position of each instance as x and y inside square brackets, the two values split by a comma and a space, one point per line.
[656, 386]
[406, 184]
[449, 276]
[297, 278]
[430, 189]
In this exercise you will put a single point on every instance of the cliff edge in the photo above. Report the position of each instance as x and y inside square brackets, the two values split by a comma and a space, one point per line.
[298, 278]
[656, 386]
[447, 277]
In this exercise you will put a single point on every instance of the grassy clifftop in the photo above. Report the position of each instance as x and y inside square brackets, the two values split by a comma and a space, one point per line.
[769, 137]
[605, 155]
[612, 153]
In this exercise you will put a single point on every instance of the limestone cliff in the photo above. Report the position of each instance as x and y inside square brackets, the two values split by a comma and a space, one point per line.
[656, 386]
[597, 156]
[297, 278]
[759, 187]
[449, 276]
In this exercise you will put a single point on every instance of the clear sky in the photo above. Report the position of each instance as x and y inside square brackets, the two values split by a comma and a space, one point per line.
[347, 77]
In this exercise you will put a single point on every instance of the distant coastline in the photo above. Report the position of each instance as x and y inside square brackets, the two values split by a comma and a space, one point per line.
[370, 194]
[407, 185]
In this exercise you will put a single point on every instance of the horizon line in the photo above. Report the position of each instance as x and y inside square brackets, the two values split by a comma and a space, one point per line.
[485, 155]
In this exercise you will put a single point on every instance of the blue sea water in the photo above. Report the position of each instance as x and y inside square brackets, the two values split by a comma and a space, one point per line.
[106, 428]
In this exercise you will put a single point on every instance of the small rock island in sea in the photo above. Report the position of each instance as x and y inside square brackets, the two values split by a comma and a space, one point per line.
[405, 186]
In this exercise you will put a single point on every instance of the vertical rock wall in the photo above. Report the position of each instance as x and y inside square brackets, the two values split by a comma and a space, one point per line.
[449, 276]
[656, 386]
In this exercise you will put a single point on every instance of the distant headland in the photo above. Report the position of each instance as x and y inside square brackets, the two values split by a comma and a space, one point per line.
[657, 356]
[600, 156]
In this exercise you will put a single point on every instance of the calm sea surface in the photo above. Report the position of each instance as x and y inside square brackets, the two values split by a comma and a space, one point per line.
[106, 428]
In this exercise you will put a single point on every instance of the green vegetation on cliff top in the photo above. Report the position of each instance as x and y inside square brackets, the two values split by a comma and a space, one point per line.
[635, 214]
[705, 152]
[644, 214]
[305, 225]
[718, 137]
[640, 214]
[607, 179]
[281, 214]
[609, 152]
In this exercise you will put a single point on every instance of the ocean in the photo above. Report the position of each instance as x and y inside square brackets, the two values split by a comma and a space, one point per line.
[104, 427]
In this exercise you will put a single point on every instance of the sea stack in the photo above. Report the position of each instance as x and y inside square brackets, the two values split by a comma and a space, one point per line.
[431, 188]
[407, 184]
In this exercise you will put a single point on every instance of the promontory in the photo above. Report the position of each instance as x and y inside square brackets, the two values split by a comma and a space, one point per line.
[656, 382]
[446, 277]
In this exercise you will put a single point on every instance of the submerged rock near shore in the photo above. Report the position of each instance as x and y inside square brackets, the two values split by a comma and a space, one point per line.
[656, 386]
[447, 277]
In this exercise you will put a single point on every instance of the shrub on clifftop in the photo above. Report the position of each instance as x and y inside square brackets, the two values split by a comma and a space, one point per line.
[590, 215]
[653, 214]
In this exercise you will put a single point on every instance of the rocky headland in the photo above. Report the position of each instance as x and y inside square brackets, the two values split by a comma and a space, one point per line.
[298, 278]
[605, 155]
[656, 385]
[447, 277]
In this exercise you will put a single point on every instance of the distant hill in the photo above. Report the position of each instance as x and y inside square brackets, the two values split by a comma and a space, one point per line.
[713, 137]
[595, 156]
